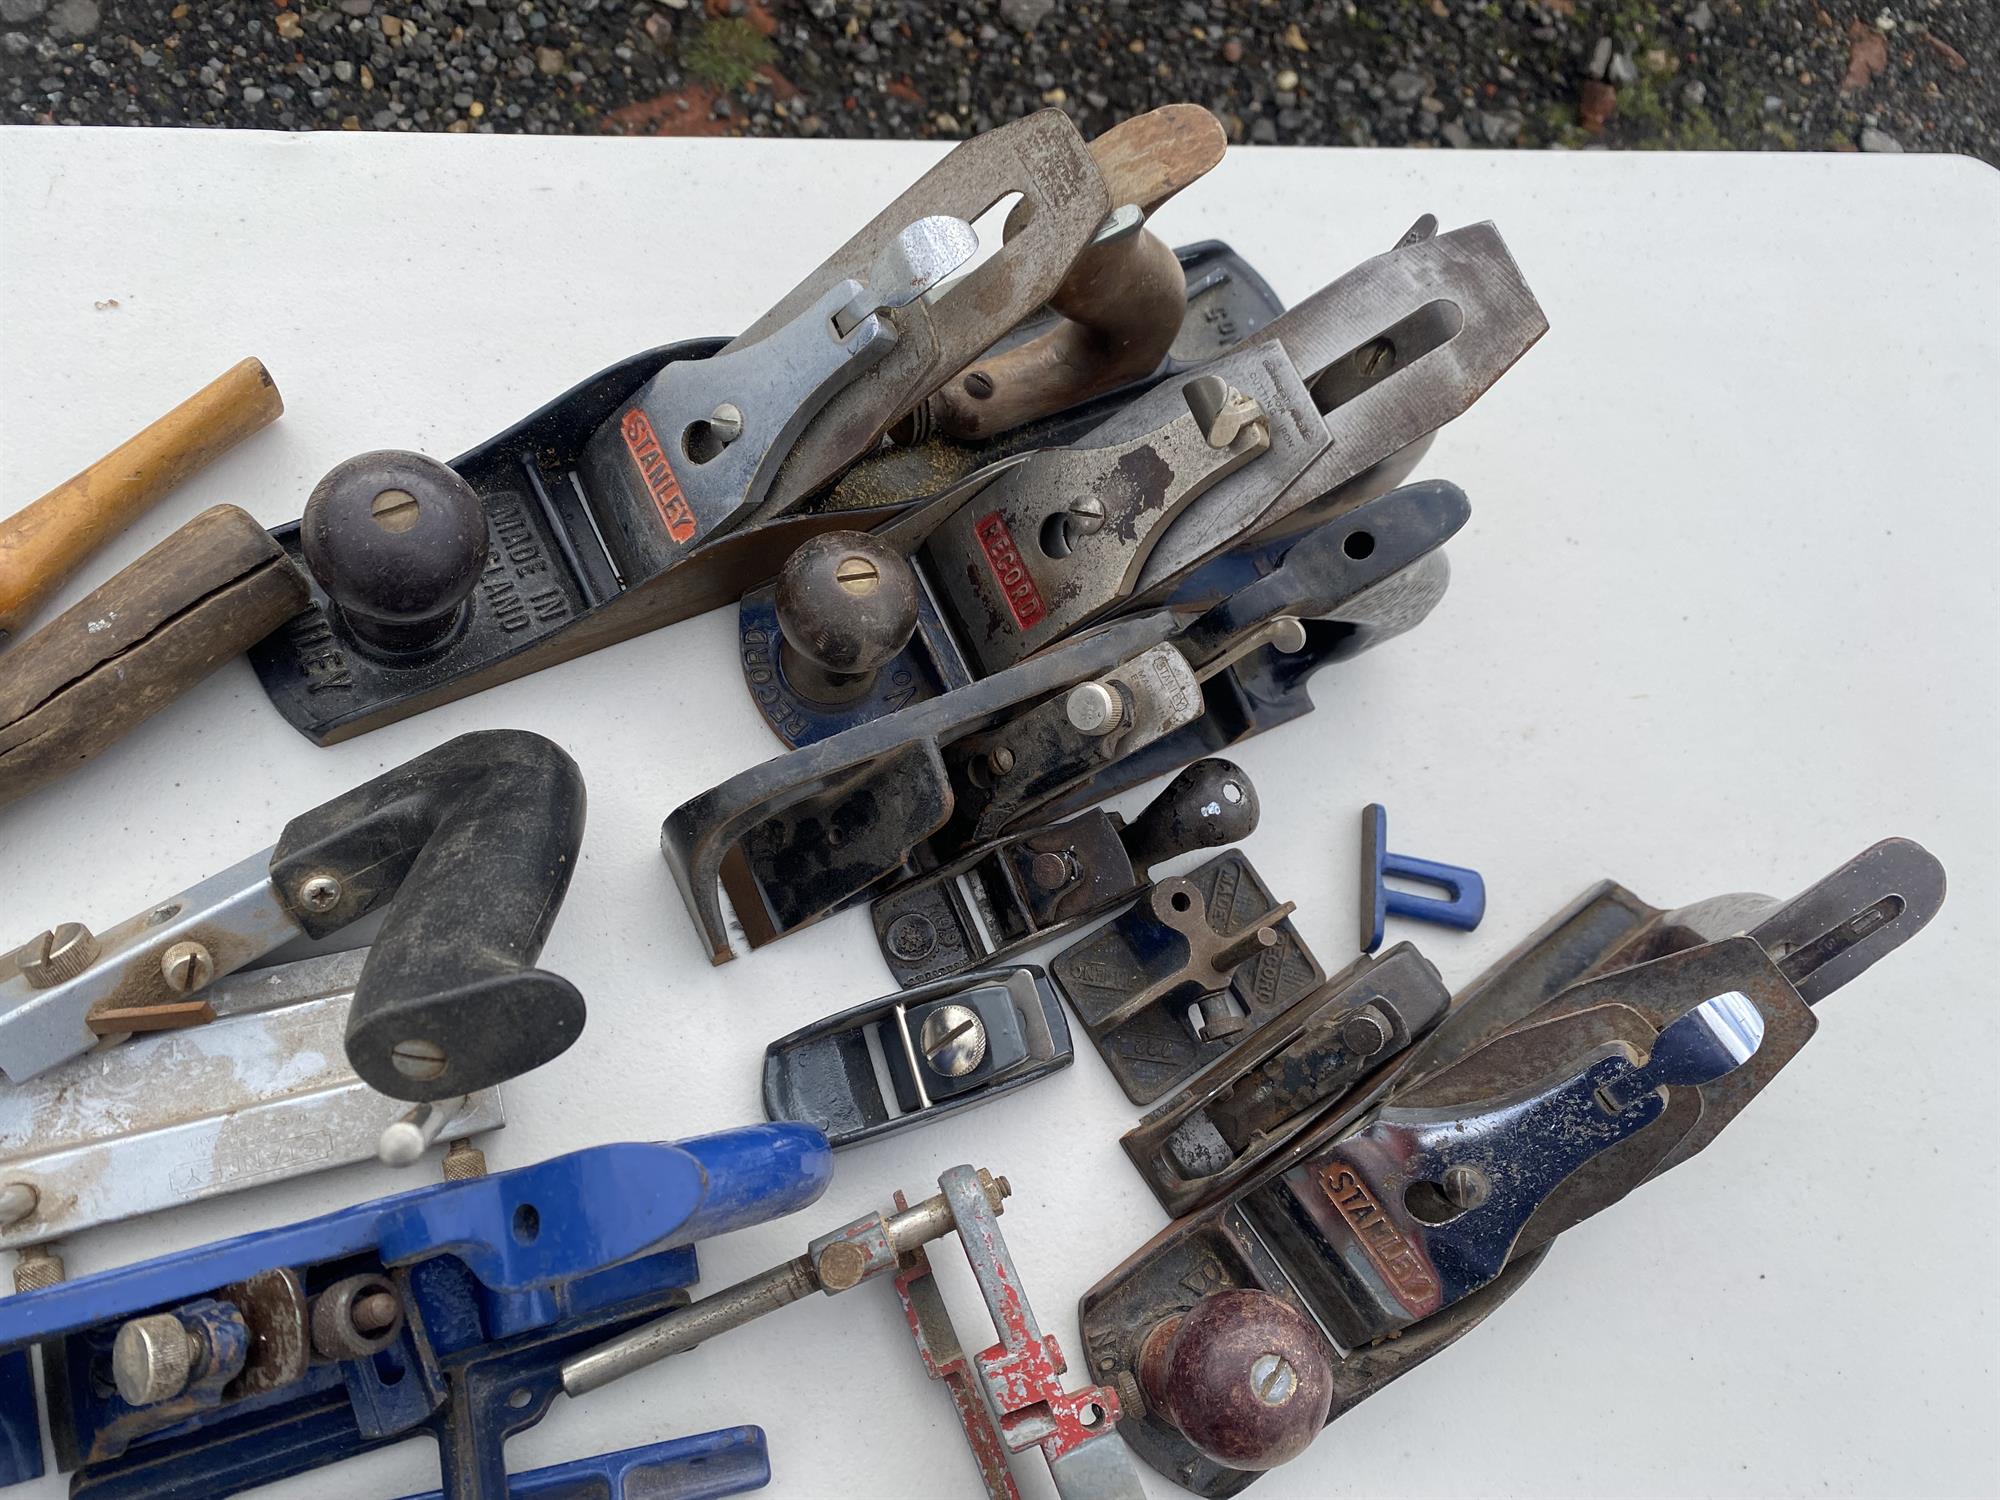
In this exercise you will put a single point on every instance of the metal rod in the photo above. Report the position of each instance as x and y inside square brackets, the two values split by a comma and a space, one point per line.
[685, 1327]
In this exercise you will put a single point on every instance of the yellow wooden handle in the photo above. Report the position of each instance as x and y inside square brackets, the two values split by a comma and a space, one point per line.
[43, 544]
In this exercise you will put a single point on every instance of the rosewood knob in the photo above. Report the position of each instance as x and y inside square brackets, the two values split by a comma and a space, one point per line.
[846, 604]
[1243, 1375]
[397, 540]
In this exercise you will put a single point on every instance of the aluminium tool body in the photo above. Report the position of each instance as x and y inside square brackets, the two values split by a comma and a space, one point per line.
[671, 482]
[446, 1311]
[151, 1066]
[1611, 1046]
[470, 846]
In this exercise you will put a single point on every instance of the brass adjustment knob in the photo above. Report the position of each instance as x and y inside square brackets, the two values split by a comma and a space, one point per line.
[151, 1359]
[52, 957]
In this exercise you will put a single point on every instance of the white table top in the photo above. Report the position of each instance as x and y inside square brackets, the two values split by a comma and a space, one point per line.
[1725, 614]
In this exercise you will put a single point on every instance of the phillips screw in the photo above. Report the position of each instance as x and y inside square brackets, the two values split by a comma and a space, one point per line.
[320, 893]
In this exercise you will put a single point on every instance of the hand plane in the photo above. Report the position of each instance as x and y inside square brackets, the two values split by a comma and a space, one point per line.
[473, 842]
[1612, 1045]
[1089, 716]
[1326, 406]
[670, 483]
[446, 1311]
[1022, 889]
[945, 1047]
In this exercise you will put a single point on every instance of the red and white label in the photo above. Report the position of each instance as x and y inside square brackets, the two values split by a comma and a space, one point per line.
[644, 446]
[1024, 600]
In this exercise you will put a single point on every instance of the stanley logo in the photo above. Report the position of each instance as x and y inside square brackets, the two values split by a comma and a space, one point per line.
[644, 446]
[1004, 558]
[1401, 1263]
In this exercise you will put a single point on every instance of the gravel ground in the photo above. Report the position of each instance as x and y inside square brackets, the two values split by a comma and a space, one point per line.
[1913, 75]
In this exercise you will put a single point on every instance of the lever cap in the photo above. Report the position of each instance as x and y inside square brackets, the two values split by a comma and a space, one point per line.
[397, 540]
[1243, 1374]
[1208, 805]
[846, 603]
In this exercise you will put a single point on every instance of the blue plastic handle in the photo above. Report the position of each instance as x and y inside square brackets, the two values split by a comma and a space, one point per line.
[708, 1464]
[1462, 905]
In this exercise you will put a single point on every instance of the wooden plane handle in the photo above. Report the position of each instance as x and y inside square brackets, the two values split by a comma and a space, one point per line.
[1122, 302]
[44, 543]
[145, 636]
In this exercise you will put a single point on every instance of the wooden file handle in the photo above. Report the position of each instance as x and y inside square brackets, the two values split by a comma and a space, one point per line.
[145, 636]
[44, 543]
[1122, 302]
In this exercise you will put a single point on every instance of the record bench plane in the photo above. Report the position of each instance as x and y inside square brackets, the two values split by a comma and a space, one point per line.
[673, 481]
[1324, 407]
[1335, 1252]
[448, 1311]
[1093, 714]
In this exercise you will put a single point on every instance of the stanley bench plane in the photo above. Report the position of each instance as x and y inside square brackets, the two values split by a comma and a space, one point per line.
[1347, 1247]
[1086, 717]
[447, 1311]
[670, 483]
[1323, 408]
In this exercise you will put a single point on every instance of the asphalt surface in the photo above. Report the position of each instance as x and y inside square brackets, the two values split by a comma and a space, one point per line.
[1915, 75]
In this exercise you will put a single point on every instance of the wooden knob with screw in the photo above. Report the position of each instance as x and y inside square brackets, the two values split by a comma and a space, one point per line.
[846, 603]
[1243, 1375]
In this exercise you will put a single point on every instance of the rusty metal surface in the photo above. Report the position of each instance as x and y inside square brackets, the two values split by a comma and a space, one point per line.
[945, 1359]
[803, 834]
[1063, 538]
[1213, 938]
[1022, 1374]
[1282, 1077]
[1605, 992]
[1028, 888]
[273, 1305]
